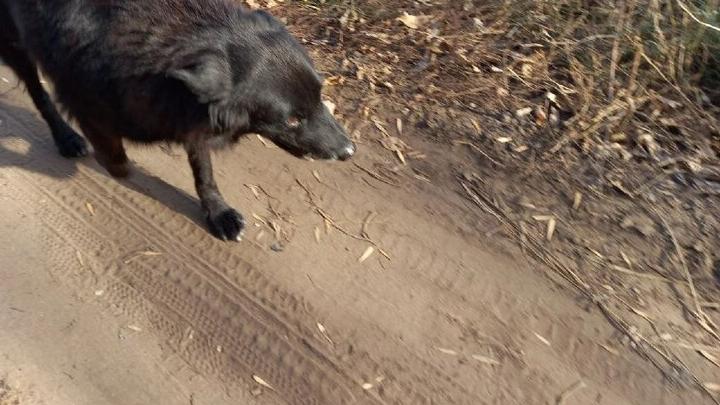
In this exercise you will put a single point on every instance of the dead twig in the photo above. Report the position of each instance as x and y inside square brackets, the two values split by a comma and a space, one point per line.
[534, 247]
[700, 314]
[376, 176]
[329, 220]
[366, 223]
[697, 20]
[568, 392]
[624, 270]
[643, 346]
[479, 150]
[711, 120]
[134, 256]
[598, 121]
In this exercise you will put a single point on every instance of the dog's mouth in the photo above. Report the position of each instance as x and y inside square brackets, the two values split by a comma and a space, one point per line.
[304, 153]
[311, 157]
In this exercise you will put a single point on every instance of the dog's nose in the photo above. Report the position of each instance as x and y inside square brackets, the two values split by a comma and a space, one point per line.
[347, 152]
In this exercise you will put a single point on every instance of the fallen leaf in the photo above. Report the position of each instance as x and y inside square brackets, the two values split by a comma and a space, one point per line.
[330, 106]
[577, 200]
[610, 350]
[262, 382]
[551, 228]
[254, 190]
[711, 358]
[486, 360]
[413, 21]
[523, 112]
[542, 339]
[323, 331]
[447, 351]
[368, 252]
[265, 143]
[715, 387]
[401, 156]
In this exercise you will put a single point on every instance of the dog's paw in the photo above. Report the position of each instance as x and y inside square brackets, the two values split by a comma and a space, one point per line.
[118, 170]
[226, 225]
[71, 145]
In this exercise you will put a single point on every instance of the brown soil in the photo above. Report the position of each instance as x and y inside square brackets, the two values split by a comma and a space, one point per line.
[112, 292]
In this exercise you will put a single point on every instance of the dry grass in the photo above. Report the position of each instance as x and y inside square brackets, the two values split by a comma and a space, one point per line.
[619, 66]
[633, 72]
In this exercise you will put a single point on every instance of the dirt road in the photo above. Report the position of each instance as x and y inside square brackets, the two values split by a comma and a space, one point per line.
[112, 292]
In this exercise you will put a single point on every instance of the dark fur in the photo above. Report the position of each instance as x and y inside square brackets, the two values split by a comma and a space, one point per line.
[169, 70]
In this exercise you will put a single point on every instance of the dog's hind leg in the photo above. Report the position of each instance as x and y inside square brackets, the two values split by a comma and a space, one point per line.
[68, 142]
[109, 149]
[224, 222]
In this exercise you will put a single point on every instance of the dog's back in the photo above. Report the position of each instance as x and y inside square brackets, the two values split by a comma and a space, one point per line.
[108, 59]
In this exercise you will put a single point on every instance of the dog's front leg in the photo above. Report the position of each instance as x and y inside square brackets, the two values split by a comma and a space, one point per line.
[224, 222]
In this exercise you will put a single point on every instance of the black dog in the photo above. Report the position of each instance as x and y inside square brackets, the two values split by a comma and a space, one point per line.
[186, 71]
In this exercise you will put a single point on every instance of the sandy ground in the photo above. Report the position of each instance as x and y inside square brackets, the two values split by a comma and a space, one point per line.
[112, 292]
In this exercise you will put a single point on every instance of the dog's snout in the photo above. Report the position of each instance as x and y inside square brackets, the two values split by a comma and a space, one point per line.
[347, 152]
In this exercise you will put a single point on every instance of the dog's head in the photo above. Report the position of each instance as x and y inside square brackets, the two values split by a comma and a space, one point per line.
[258, 78]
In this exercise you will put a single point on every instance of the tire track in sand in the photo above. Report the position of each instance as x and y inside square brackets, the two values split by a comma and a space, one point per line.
[217, 309]
[218, 296]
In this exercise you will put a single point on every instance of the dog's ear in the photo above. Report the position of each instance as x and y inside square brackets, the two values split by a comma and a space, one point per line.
[206, 75]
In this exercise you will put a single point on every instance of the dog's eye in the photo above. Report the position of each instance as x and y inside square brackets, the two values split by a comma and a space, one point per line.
[293, 122]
